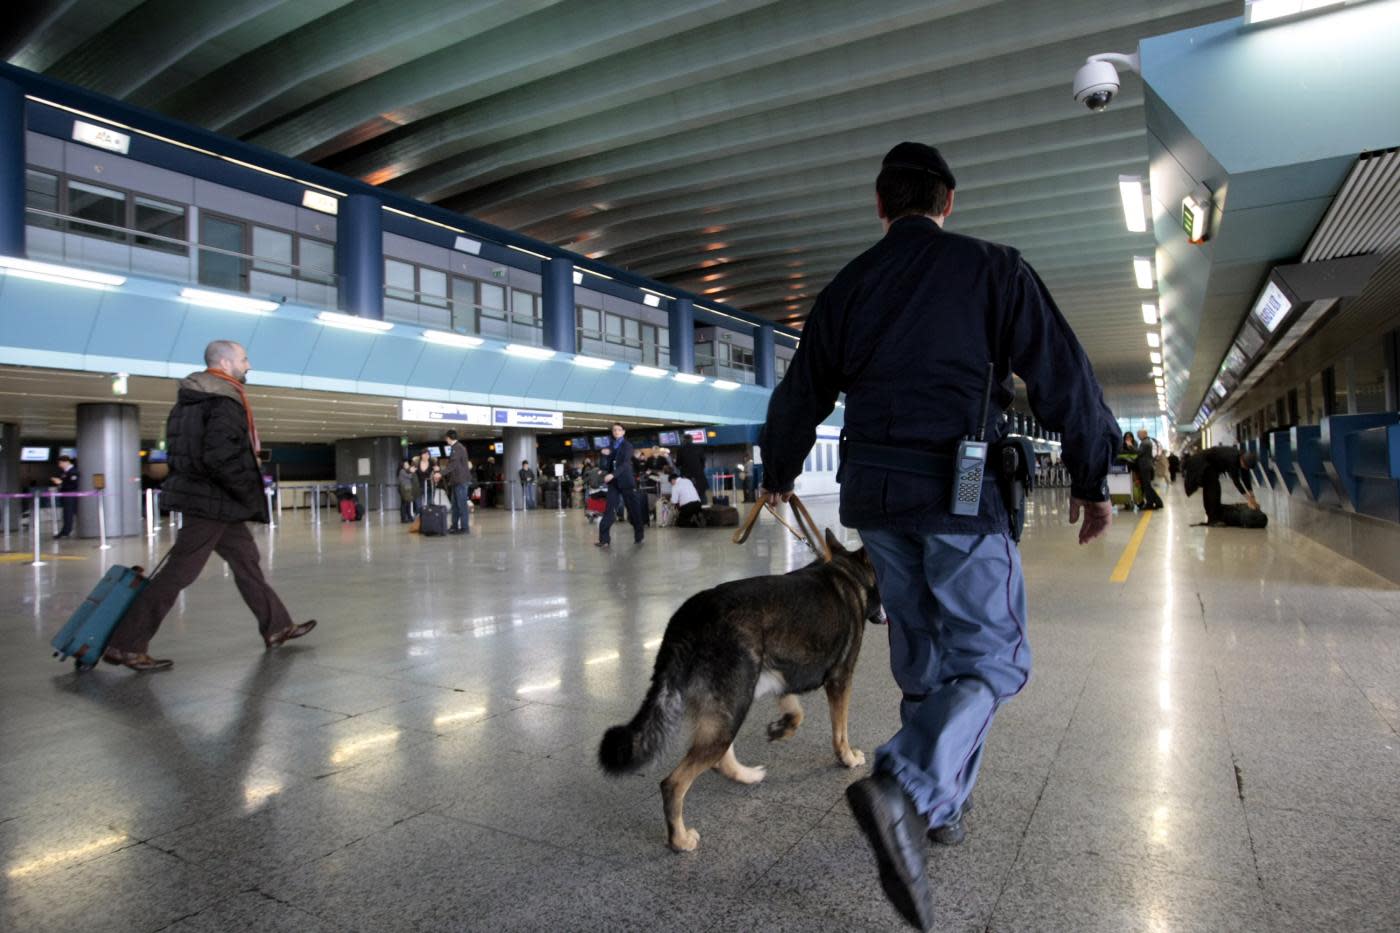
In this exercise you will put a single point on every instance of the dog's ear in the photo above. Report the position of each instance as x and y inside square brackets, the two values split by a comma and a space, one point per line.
[834, 543]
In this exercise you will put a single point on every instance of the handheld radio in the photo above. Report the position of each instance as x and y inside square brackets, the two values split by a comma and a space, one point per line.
[971, 464]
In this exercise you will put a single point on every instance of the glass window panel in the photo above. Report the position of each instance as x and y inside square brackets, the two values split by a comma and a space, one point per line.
[432, 287]
[523, 306]
[1368, 377]
[1315, 411]
[272, 251]
[631, 331]
[163, 220]
[317, 260]
[398, 279]
[219, 268]
[492, 299]
[41, 194]
[103, 206]
[614, 324]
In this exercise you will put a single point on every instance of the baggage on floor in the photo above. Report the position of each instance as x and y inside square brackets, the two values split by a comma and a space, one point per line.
[88, 630]
[350, 510]
[721, 516]
[435, 519]
[1239, 515]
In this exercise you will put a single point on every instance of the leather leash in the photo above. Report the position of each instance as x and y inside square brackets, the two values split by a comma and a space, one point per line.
[806, 531]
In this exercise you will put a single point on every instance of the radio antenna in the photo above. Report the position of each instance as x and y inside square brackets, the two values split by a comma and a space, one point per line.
[986, 402]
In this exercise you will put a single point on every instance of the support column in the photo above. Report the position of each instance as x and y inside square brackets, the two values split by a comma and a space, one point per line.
[359, 256]
[11, 169]
[519, 445]
[683, 335]
[560, 318]
[765, 365]
[109, 447]
[9, 457]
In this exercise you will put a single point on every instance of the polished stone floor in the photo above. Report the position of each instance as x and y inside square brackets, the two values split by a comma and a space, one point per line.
[1211, 745]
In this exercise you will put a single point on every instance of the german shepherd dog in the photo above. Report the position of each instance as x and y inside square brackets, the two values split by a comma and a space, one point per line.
[727, 647]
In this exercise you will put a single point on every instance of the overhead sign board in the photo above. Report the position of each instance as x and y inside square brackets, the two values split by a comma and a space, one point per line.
[1272, 307]
[527, 418]
[412, 409]
[102, 137]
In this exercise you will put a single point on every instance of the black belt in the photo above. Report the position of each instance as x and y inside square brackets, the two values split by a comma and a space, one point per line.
[903, 460]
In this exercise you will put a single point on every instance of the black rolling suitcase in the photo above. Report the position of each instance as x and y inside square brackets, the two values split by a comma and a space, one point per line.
[721, 516]
[1239, 515]
[434, 520]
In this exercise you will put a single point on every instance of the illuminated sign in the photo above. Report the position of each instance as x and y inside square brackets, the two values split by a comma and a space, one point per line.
[101, 137]
[1272, 307]
[527, 418]
[411, 409]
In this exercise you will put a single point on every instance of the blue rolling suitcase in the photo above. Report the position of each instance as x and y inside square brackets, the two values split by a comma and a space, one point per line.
[85, 636]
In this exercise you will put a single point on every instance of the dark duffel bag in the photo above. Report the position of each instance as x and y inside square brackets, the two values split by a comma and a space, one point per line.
[434, 520]
[721, 516]
[1238, 515]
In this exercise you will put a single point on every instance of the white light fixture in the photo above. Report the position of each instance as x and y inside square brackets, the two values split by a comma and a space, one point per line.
[529, 352]
[1157, 371]
[63, 275]
[119, 383]
[351, 322]
[651, 372]
[690, 378]
[725, 384]
[1153, 340]
[1195, 217]
[1261, 11]
[448, 339]
[593, 362]
[1155, 357]
[578, 277]
[226, 302]
[1142, 269]
[317, 201]
[1134, 214]
[1149, 314]
[464, 244]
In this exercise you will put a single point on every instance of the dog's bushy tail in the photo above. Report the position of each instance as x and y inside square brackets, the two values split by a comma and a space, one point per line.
[631, 747]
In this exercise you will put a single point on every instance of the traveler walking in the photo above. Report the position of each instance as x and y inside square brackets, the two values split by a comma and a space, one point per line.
[621, 482]
[1147, 470]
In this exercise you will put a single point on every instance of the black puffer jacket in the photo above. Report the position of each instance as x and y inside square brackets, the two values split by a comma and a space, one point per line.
[213, 471]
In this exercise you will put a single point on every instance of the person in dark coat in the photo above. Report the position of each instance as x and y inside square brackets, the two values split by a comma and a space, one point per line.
[408, 491]
[66, 479]
[690, 463]
[621, 482]
[457, 478]
[1146, 470]
[215, 482]
[1203, 471]
[1173, 466]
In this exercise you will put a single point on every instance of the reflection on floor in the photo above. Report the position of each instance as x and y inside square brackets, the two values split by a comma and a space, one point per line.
[1211, 745]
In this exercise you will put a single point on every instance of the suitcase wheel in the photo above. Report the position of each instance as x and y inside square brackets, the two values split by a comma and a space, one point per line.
[79, 666]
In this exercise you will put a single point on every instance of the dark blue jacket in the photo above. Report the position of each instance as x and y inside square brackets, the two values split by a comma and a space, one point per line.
[619, 463]
[906, 330]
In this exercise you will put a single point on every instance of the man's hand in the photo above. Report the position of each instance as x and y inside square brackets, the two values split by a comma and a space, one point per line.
[608, 478]
[1097, 517]
[773, 498]
[1253, 502]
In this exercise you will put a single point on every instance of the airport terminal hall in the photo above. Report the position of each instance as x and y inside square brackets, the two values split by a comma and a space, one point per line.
[714, 466]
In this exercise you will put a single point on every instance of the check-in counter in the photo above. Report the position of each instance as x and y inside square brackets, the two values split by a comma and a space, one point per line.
[1375, 457]
[1259, 446]
[1340, 446]
[1307, 464]
[1281, 463]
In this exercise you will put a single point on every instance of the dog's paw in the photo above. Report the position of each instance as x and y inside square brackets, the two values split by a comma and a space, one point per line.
[853, 758]
[750, 775]
[782, 728]
[686, 842]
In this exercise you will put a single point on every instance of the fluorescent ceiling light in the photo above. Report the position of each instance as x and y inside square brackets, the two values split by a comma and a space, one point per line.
[317, 201]
[449, 339]
[726, 384]
[351, 322]
[651, 372]
[1261, 11]
[1142, 269]
[467, 245]
[593, 362]
[1153, 340]
[529, 352]
[1149, 314]
[1156, 370]
[690, 378]
[598, 275]
[64, 275]
[651, 301]
[227, 302]
[1155, 357]
[528, 252]
[1130, 190]
[578, 277]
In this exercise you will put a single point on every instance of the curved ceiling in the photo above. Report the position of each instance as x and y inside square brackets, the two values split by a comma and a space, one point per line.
[726, 146]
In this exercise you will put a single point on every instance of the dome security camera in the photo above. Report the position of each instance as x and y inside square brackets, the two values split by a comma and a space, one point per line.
[1096, 83]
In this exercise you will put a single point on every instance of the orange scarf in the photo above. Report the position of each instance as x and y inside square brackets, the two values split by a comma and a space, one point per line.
[248, 409]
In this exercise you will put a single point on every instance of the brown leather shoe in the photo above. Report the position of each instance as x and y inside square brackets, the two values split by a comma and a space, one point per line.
[136, 660]
[287, 634]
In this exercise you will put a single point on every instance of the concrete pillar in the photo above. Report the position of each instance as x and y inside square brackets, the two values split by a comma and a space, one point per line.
[9, 457]
[765, 364]
[519, 445]
[373, 461]
[109, 454]
[683, 335]
[11, 169]
[559, 316]
[359, 256]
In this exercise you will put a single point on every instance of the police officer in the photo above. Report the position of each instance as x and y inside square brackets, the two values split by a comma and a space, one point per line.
[907, 330]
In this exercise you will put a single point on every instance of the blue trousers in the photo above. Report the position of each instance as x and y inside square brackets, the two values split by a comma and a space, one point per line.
[461, 512]
[624, 497]
[957, 611]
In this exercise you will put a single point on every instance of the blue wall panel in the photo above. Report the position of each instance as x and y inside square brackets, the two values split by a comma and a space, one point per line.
[389, 365]
[46, 316]
[200, 327]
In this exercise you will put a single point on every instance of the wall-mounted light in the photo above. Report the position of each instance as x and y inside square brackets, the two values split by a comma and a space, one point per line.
[62, 275]
[594, 362]
[449, 339]
[319, 201]
[351, 322]
[529, 352]
[650, 372]
[119, 383]
[726, 384]
[226, 302]
[689, 378]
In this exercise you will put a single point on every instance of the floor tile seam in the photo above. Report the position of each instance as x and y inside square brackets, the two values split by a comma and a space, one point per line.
[1240, 792]
[212, 904]
[570, 848]
[1369, 819]
[1351, 678]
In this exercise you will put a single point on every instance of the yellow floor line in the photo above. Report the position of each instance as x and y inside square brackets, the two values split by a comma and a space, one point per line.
[1125, 563]
[28, 556]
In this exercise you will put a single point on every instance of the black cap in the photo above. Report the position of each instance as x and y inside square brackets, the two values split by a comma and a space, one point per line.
[920, 158]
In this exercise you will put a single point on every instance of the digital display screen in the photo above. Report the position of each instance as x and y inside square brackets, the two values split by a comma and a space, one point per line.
[435, 451]
[697, 435]
[158, 456]
[670, 438]
[71, 452]
[500, 447]
[1249, 340]
[1272, 307]
[581, 443]
[602, 443]
[34, 454]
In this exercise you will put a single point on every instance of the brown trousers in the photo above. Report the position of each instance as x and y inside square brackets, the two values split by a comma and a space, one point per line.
[198, 538]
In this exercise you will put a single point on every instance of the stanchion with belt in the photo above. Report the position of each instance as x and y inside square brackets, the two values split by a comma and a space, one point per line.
[806, 531]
